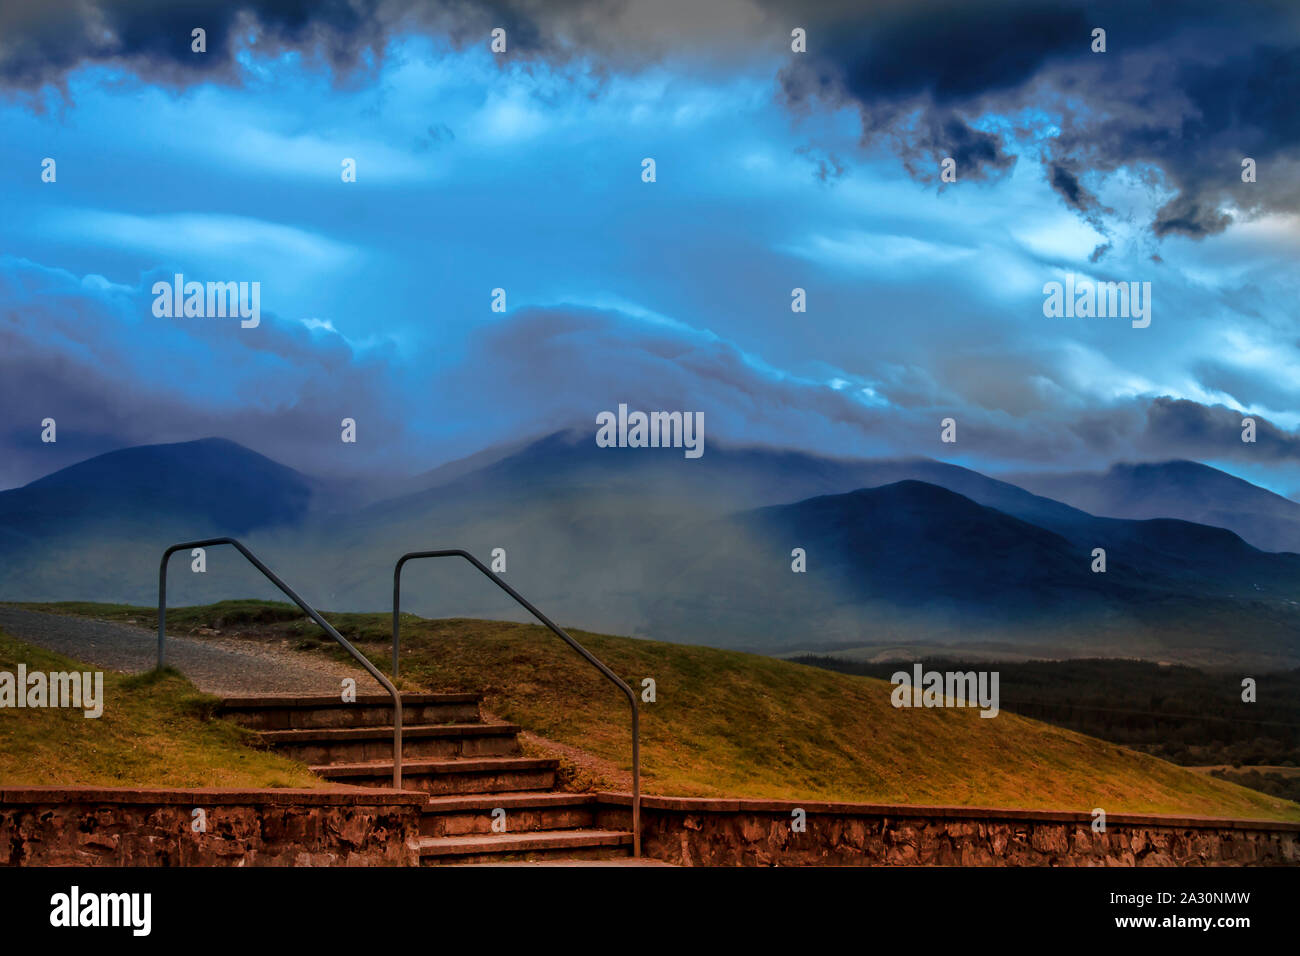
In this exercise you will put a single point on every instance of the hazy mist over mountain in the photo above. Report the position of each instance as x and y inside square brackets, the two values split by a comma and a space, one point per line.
[645, 541]
[1178, 489]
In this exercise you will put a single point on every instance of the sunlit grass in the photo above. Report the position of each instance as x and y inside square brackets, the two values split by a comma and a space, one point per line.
[727, 723]
[156, 730]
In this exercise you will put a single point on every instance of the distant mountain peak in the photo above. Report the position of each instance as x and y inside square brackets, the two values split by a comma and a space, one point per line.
[1180, 489]
[221, 485]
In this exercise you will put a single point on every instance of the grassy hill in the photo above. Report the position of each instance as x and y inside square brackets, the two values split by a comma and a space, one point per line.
[156, 731]
[736, 724]
[1187, 716]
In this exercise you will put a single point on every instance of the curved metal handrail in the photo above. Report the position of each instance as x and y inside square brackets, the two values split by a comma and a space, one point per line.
[555, 629]
[308, 610]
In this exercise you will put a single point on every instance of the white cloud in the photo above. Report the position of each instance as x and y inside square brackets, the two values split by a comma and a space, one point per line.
[252, 243]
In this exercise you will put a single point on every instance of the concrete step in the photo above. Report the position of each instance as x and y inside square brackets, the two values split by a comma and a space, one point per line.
[507, 847]
[450, 776]
[525, 812]
[331, 745]
[369, 710]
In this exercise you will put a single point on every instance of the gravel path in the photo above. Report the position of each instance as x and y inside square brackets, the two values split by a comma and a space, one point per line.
[217, 665]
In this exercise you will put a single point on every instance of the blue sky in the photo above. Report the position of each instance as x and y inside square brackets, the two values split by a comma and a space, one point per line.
[477, 171]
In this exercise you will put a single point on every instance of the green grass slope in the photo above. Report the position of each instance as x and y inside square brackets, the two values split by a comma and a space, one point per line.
[156, 730]
[727, 723]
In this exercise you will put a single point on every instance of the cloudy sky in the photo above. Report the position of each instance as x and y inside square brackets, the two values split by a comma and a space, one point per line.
[775, 170]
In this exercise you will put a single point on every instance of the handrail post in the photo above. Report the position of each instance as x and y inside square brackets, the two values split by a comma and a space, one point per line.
[636, 779]
[555, 629]
[397, 610]
[307, 609]
[162, 608]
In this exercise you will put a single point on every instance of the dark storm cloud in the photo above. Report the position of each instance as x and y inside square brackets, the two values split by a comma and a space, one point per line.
[1200, 106]
[40, 42]
[1189, 87]
[43, 41]
[978, 154]
[951, 51]
[1193, 430]
[1156, 429]
[1138, 429]
[938, 60]
[1066, 183]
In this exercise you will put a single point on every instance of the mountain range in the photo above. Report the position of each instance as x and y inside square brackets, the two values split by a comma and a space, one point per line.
[1199, 565]
[1178, 489]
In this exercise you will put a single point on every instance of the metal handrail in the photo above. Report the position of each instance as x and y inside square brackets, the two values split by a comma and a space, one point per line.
[308, 610]
[555, 629]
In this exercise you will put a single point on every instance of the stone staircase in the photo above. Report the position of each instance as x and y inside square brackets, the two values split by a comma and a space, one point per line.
[469, 768]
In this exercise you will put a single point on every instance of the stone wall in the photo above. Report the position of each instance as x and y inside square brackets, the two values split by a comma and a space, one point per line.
[102, 826]
[708, 832]
[43, 826]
